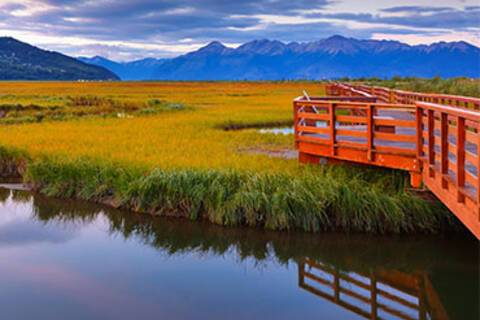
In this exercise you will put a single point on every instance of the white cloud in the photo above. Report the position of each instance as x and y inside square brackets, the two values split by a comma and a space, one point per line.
[162, 29]
[415, 39]
[377, 6]
[27, 8]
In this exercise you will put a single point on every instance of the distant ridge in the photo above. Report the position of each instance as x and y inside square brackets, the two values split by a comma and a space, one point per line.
[134, 70]
[329, 58]
[21, 61]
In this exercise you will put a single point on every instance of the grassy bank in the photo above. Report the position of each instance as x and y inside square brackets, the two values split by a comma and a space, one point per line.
[317, 199]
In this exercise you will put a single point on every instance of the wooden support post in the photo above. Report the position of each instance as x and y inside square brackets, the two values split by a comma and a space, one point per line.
[431, 143]
[306, 158]
[460, 159]
[331, 110]
[370, 128]
[444, 149]
[416, 179]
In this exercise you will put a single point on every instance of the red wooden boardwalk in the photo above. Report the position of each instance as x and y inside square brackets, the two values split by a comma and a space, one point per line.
[434, 137]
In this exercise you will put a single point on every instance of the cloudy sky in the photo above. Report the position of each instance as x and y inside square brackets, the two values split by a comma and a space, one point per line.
[130, 29]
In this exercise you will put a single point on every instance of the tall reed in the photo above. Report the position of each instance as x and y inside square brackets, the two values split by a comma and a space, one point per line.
[317, 199]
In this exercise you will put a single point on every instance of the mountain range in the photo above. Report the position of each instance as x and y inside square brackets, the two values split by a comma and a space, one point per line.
[135, 70]
[329, 58]
[21, 61]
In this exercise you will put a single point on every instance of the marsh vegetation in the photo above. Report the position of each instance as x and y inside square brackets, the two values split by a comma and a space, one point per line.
[184, 161]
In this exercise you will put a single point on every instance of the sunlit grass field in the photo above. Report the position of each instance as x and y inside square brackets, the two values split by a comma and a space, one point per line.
[166, 148]
[189, 138]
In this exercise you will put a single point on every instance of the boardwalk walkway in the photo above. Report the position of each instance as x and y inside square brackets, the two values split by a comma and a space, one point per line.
[434, 137]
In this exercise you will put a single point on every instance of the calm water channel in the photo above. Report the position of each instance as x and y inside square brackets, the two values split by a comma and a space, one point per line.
[72, 260]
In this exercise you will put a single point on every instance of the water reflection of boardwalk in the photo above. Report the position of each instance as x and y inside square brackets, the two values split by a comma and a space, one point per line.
[378, 295]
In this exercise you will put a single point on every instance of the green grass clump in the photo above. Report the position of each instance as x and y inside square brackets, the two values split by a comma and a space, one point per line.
[318, 199]
[13, 162]
[75, 107]
[240, 125]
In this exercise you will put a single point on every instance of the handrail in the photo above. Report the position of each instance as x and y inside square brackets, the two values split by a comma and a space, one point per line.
[448, 148]
[467, 114]
[338, 98]
[438, 144]
[354, 103]
[401, 96]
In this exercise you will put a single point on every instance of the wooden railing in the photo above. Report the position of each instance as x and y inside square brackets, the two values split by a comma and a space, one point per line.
[448, 148]
[377, 295]
[370, 133]
[405, 97]
[438, 144]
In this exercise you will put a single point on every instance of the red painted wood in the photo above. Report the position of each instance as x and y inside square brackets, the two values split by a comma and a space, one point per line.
[460, 158]
[331, 123]
[447, 177]
[419, 125]
[370, 126]
[444, 148]
[431, 142]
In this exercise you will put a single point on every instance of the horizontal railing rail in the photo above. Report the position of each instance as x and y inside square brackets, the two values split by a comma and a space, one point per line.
[370, 133]
[339, 98]
[448, 148]
[436, 138]
[407, 97]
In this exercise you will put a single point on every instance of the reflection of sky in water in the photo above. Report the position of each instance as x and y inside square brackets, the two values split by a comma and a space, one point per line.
[81, 269]
[284, 131]
[18, 228]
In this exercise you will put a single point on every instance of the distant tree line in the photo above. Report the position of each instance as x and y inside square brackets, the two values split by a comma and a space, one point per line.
[456, 86]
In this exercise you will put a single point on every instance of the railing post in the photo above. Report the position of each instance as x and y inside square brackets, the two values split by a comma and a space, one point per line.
[373, 296]
[444, 148]
[416, 176]
[301, 273]
[460, 159]
[370, 126]
[331, 110]
[478, 171]
[431, 143]
[295, 123]
[422, 307]
[419, 120]
[336, 285]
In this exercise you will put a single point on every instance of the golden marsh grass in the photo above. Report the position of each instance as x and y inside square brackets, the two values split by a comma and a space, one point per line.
[177, 139]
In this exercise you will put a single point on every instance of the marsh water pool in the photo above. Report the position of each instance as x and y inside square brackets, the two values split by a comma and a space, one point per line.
[74, 260]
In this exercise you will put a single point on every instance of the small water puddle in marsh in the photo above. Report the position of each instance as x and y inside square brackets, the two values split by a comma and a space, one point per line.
[284, 131]
[74, 260]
